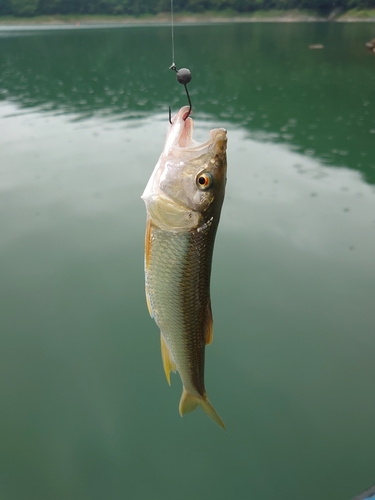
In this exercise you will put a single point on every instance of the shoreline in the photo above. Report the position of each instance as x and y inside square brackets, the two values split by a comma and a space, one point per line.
[189, 18]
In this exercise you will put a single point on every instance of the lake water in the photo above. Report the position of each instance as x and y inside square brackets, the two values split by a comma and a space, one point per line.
[86, 412]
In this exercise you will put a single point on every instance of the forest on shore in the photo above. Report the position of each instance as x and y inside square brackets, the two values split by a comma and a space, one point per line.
[30, 8]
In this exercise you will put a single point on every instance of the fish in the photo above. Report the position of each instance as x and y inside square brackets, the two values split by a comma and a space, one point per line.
[183, 199]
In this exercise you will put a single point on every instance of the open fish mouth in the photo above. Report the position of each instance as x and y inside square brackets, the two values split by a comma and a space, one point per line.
[181, 134]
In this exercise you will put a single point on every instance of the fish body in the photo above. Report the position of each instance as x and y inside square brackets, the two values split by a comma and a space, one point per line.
[183, 201]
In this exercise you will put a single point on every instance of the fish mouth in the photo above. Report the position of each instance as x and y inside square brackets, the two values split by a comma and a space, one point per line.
[181, 132]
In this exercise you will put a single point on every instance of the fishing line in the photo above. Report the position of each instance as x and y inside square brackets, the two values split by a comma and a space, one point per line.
[183, 75]
[173, 66]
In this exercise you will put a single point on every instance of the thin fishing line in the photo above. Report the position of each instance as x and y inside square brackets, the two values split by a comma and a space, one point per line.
[183, 75]
[172, 26]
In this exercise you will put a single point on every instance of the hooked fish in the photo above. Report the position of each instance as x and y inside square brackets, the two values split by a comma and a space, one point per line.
[183, 198]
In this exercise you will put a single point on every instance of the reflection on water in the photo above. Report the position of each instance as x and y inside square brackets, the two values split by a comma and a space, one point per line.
[262, 77]
[85, 405]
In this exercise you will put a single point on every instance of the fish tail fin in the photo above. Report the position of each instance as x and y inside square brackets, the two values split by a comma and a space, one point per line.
[189, 402]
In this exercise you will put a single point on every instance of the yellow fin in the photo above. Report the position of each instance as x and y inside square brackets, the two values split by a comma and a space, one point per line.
[148, 243]
[148, 302]
[147, 262]
[168, 363]
[189, 402]
[209, 332]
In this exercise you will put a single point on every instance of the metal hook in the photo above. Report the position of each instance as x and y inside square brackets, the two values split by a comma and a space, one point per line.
[183, 76]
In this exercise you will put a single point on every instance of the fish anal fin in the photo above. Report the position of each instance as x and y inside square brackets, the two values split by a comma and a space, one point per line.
[209, 327]
[168, 362]
[189, 402]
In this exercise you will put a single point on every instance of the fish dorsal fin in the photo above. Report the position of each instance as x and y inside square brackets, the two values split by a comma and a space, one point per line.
[168, 362]
[209, 327]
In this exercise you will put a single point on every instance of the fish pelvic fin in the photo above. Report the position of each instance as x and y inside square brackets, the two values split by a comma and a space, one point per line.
[189, 402]
[168, 362]
[209, 330]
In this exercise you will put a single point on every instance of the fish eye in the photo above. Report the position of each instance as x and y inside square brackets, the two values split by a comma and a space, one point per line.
[204, 181]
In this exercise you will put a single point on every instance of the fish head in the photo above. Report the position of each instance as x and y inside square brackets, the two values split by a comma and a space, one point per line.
[189, 174]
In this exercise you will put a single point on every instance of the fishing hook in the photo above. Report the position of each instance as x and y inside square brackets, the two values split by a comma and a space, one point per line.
[183, 76]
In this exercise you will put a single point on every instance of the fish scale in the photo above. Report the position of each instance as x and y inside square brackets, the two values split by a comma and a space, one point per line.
[178, 286]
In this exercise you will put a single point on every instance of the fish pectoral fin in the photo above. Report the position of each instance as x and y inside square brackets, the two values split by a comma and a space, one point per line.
[209, 327]
[148, 302]
[189, 402]
[148, 236]
[168, 361]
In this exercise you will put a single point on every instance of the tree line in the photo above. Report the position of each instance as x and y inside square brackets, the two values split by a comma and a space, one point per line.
[138, 7]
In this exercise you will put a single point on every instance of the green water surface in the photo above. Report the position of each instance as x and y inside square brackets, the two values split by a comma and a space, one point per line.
[85, 410]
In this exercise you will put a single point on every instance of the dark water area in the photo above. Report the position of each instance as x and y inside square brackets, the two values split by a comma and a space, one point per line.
[261, 77]
[85, 408]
